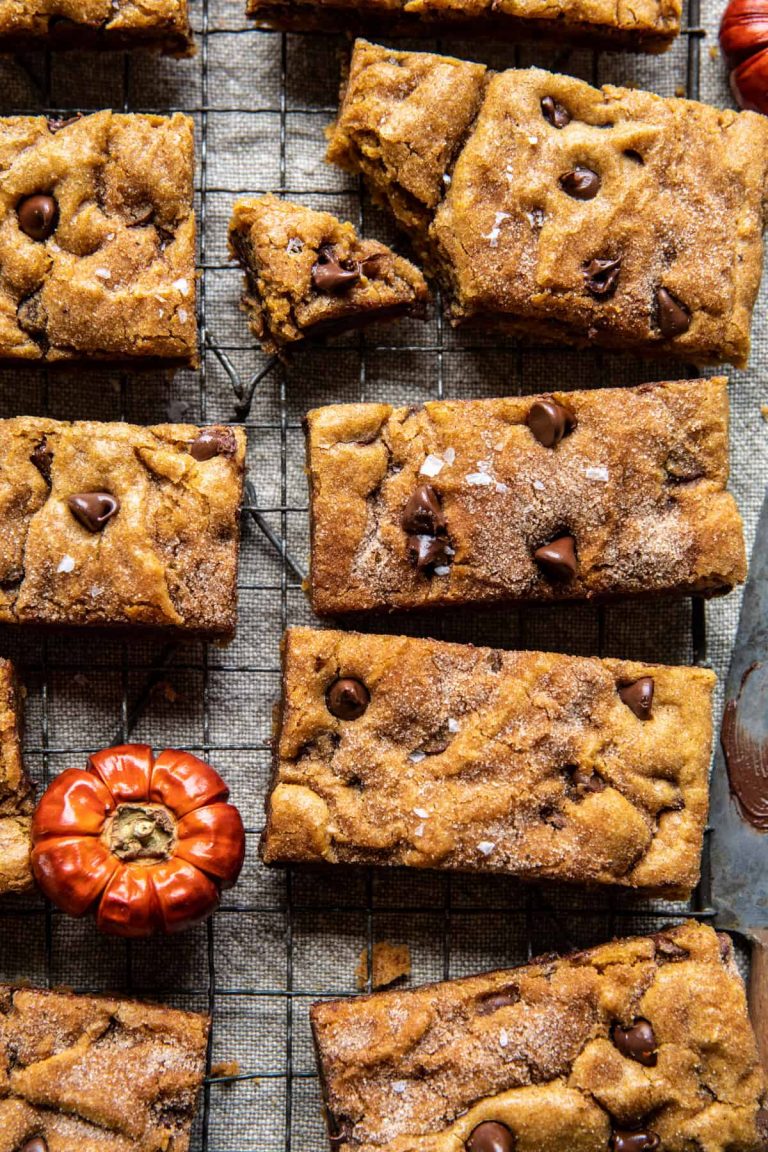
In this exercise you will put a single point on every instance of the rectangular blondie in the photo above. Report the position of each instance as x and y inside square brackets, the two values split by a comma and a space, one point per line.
[400, 751]
[160, 25]
[556, 210]
[612, 492]
[96, 1072]
[97, 239]
[639, 1045]
[113, 525]
[16, 792]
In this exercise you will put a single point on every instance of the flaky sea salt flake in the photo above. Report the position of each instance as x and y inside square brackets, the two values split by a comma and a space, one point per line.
[432, 466]
[493, 236]
[422, 812]
[453, 725]
[600, 473]
[441, 570]
[478, 479]
[503, 1038]
[181, 285]
[486, 847]
[399, 1086]
[102, 273]
[66, 564]
[417, 757]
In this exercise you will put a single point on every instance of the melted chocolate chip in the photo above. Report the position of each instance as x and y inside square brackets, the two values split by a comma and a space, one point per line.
[36, 1144]
[212, 442]
[638, 696]
[38, 216]
[673, 317]
[55, 124]
[549, 422]
[427, 551]
[558, 558]
[634, 156]
[93, 509]
[587, 781]
[581, 183]
[623, 1140]
[667, 949]
[42, 458]
[637, 1043]
[496, 1000]
[601, 276]
[423, 514]
[554, 112]
[330, 275]
[347, 699]
[490, 1136]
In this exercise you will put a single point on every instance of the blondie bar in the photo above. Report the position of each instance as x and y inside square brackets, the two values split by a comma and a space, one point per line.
[97, 239]
[650, 26]
[162, 25]
[116, 525]
[92, 1072]
[309, 274]
[399, 751]
[560, 211]
[16, 794]
[636, 1045]
[574, 494]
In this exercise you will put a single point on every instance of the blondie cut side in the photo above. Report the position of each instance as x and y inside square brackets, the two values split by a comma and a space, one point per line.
[16, 792]
[569, 495]
[114, 525]
[97, 1072]
[636, 1045]
[158, 25]
[563, 212]
[309, 274]
[97, 239]
[398, 751]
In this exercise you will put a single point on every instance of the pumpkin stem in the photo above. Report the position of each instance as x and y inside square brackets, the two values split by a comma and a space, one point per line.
[141, 832]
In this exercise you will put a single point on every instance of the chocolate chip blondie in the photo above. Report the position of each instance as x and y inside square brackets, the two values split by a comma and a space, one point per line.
[113, 525]
[650, 26]
[636, 1045]
[16, 794]
[556, 497]
[94, 1072]
[400, 751]
[309, 274]
[97, 239]
[161, 25]
[555, 210]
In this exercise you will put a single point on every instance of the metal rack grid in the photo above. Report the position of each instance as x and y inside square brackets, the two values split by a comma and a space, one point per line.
[283, 939]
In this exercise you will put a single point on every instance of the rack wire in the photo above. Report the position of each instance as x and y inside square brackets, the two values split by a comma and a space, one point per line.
[283, 939]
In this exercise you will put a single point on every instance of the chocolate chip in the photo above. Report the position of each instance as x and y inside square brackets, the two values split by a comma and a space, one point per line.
[93, 509]
[36, 1144]
[601, 275]
[427, 551]
[38, 216]
[423, 514]
[673, 316]
[490, 1136]
[329, 275]
[347, 699]
[638, 696]
[581, 183]
[587, 781]
[549, 422]
[212, 442]
[496, 1000]
[42, 458]
[637, 1042]
[558, 558]
[623, 1140]
[554, 112]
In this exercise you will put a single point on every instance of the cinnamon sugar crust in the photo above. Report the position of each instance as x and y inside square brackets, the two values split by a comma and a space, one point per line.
[479, 760]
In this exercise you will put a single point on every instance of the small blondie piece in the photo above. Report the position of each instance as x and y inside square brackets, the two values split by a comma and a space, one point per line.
[92, 1072]
[113, 525]
[559, 211]
[618, 492]
[401, 751]
[648, 26]
[639, 1045]
[309, 274]
[97, 239]
[159, 25]
[16, 793]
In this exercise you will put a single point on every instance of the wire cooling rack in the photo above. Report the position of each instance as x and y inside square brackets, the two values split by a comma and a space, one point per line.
[282, 939]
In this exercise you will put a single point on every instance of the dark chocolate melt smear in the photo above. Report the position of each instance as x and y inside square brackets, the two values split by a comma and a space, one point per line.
[744, 737]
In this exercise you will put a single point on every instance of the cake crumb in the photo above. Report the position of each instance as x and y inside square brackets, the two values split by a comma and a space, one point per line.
[764, 412]
[225, 1068]
[680, 90]
[714, 51]
[391, 962]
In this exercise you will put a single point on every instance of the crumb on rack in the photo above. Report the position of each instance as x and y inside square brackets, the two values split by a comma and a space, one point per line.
[391, 962]
[714, 51]
[764, 412]
[225, 1068]
[680, 90]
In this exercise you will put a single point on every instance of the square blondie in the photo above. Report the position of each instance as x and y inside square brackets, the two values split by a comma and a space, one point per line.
[159, 25]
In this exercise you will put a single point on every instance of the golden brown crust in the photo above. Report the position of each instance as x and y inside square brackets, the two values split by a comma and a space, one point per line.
[416, 1071]
[96, 1073]
[167, 559]
[279, 243]
[162, 25]
[116, 278]
[680, 203]
[466, 758]
[16, 791]
[639, 483]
